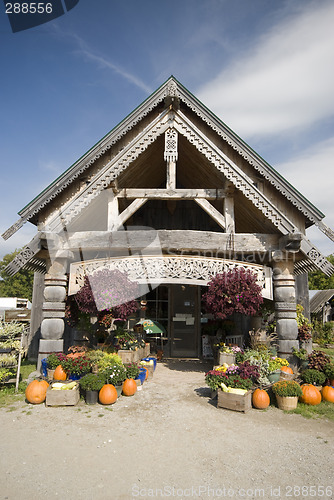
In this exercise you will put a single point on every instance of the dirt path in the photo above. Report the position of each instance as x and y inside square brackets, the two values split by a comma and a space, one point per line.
[168, 440]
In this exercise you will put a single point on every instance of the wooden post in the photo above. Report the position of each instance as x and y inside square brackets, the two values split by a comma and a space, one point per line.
[229, 209]
[113, 213]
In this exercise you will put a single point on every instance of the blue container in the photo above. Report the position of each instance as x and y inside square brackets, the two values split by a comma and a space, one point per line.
[74, 376]
[44, 367]
[152, 358]
[142, 376]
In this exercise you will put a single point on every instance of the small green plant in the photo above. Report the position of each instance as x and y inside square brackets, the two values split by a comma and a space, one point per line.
[329, 371]
[300, 354]
[287, 388]
[115, 374]
[92, 382]
[323, 332]
[9, 333]
[132, 370]
[7, 360]
[52, 361]
[312, 376]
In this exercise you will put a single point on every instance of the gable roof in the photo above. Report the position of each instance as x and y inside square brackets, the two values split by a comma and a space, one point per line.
[170, 89]
[319, 300]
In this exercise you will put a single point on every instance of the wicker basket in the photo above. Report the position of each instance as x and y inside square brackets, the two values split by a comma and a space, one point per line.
[287, 402]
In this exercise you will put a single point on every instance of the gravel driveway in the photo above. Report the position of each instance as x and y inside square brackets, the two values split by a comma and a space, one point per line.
[169, 440]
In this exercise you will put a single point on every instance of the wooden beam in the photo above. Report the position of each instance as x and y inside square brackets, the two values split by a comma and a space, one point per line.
[130, 210]
[171, 194]
[212, 211]
[171, 175]
[229, 214]
[173, 240]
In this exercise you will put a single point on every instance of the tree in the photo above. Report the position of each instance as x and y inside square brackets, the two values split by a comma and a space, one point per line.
[319, 281]
[19, 285]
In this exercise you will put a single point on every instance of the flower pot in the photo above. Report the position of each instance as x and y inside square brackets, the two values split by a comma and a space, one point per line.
[49, 374]
[287, 402]
[91, 397]
[74, 376]
[274, 376]
[142, 375]
[119, 389]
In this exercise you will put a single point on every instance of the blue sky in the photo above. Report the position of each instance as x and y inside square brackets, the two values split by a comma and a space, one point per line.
[265, 67]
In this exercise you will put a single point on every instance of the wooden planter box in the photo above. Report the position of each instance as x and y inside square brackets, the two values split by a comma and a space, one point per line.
[130, 356]
[62, 398]
[146, 350]
[225, 357]
[234, 402]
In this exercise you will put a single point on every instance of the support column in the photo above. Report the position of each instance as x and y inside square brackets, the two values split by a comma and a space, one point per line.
[53, 325]
[285, 309]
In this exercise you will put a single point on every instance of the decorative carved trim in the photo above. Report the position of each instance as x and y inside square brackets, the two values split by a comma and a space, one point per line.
[314, 255]
[167, 269]
[326, 230]
[171, 153]
[25, 256]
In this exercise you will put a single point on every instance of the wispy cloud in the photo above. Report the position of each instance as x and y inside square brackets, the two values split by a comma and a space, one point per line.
[284, 82]
[311, 173]
[84, 50]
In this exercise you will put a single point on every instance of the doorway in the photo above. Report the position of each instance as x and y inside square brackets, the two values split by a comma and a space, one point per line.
[184, 321]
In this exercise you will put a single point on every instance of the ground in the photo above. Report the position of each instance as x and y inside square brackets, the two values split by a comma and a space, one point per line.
[168, 440]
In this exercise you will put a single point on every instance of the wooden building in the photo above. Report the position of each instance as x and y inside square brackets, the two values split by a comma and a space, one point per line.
[171, 196]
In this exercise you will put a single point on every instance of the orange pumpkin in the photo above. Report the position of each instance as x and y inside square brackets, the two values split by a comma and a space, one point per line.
[311, 395]
[129, 387]
[286, 369]
[108, 394]
[59, 373]
[328, 393]
[260, 399]
[36, 391]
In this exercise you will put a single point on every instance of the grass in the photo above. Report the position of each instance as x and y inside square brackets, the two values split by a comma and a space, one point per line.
[324, 410]
[8, 395]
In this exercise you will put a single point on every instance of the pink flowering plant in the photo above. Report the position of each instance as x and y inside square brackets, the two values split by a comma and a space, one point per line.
[108, 291]
[234, 291]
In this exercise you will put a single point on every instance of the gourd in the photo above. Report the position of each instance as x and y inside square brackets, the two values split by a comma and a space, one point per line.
[60, 373]
[328, 393]
[311, 395]
[129, 387]
[260, 399]
[286, 369]
[36, 391]
[108, 394]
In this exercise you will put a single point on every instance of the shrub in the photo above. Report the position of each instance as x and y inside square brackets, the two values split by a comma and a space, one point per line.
[287, 388]
[317, 360]
[312, 376]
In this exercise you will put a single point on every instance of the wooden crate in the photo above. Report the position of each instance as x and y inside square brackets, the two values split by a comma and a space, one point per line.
[226, 357]
[62, 398]
[234, 402]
